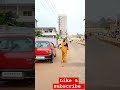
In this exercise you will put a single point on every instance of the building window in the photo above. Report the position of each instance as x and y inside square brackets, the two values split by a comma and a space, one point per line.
[50, 30]
[46, 31]
[33, 8]
[27, 13]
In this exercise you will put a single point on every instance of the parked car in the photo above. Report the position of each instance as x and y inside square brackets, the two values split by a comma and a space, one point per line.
[17, 57]
[45, 50]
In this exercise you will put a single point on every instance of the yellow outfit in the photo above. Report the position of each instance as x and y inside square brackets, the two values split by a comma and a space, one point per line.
[64, 52]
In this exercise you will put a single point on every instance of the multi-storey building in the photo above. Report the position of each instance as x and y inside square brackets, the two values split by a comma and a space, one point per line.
[24, 9]
[63, 25]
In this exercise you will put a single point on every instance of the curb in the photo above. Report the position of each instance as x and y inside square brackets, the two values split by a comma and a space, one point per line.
[112, 43]
[81, 43]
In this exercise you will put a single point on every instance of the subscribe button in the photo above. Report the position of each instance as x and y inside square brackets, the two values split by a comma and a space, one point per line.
[69, 83]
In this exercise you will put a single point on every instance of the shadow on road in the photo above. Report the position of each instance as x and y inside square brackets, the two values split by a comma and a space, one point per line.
[20, 84]
[43, 61]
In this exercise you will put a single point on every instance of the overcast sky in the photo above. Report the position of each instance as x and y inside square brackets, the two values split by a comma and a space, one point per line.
[96, 9]
[74, 9]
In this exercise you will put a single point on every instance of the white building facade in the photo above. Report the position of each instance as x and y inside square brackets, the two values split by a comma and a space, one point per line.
[48, 34]
[48, 31]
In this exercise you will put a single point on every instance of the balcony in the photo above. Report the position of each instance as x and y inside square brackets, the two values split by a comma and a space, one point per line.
[26, 19]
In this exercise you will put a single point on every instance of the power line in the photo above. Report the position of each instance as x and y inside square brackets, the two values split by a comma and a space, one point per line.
[53, 6]
[48, 8]
[48, 4]
[45, 6]
[42, 4]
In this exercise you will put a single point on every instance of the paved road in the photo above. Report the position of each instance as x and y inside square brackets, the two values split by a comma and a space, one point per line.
[47, 73]
[102, 65]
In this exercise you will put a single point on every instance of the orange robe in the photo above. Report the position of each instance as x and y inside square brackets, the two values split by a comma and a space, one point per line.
[64, 52]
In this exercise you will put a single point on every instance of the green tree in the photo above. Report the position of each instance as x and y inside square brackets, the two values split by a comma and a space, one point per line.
[38, 33]
[57, 36]
[109, 21]
[103, 23]
[78, 35]
[8, 18]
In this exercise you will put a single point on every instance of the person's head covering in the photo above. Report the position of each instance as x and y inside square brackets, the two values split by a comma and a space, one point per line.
[64, 39]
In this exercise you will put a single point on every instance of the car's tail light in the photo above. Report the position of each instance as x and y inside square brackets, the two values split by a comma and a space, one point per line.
[50, 52]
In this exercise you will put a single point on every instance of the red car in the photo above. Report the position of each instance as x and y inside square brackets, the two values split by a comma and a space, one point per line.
[17, 57]
[45, 50]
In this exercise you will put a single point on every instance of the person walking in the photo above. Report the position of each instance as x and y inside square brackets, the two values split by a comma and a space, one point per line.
[64, 49]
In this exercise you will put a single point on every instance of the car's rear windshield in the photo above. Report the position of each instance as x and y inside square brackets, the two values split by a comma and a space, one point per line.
[41, 44]
[16, 44]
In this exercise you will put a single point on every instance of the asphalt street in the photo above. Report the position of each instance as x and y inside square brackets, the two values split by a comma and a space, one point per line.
[102, 65]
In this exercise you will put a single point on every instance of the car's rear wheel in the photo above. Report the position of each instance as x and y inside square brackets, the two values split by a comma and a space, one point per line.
[51, 60]
[55, 55]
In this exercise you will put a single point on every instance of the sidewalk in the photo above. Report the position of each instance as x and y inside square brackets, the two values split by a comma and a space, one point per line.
[115, 43]
[82, 43]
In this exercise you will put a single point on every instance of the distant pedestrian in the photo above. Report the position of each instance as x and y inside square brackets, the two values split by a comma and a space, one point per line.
[64, 49]
[60, 47]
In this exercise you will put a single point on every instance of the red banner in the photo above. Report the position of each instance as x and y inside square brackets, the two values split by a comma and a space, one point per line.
[69, 83]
